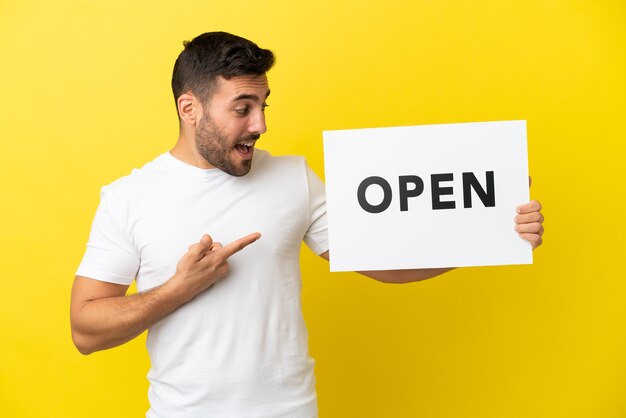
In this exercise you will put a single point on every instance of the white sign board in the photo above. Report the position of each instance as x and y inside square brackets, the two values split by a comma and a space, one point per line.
[426, 196]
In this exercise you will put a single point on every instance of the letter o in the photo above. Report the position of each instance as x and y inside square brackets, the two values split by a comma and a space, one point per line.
[386, 194]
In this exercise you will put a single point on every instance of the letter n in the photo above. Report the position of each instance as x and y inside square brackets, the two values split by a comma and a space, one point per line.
[471, 182]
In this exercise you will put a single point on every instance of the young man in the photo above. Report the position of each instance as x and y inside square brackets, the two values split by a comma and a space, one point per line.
[233, 347]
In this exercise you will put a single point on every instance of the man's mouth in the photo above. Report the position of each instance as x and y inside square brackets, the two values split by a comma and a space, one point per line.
[245, 148]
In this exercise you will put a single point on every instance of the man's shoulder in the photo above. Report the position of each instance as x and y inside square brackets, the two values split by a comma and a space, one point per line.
[150, 173]
[265, 160]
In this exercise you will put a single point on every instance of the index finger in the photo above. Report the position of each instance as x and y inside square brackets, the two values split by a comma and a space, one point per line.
[239, 244]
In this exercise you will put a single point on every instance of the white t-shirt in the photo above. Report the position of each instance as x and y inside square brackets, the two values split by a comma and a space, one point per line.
[240, 348]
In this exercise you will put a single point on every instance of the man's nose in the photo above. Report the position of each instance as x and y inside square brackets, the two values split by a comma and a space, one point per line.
[257, 124]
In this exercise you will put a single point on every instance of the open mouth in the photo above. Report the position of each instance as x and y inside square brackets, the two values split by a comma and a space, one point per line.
[245, 149]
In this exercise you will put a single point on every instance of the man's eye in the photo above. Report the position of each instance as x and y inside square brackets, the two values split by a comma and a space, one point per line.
[263, 106]
[242, 110]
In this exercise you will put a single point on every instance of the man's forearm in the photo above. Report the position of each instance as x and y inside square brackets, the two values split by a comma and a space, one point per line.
[103, 316]
[101, 323]
[404, 276]
[398, 276]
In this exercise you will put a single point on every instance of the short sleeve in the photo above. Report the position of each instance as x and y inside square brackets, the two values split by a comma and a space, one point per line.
[317, 235]
[110, 255]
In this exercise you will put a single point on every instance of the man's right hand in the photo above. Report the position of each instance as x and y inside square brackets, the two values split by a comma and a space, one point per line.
[103, 316]
[206, 262]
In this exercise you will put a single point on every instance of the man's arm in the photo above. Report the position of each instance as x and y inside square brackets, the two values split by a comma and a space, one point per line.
[398, 276]
[528, 224]
[102, 316]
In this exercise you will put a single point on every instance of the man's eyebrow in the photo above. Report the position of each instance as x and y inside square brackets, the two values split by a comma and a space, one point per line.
[246, 96]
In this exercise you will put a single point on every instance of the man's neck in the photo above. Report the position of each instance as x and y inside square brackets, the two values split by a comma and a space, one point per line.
[185, 151]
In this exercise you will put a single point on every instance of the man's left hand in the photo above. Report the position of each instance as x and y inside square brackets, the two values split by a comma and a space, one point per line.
[529, 223]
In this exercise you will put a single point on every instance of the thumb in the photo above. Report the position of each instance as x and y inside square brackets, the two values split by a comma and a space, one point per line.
[199, 249]
[207, 241]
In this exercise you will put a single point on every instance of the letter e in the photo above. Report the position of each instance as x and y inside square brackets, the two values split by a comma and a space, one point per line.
[437, 191]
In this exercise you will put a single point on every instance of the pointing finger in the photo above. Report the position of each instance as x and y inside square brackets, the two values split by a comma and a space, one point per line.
[240, 244]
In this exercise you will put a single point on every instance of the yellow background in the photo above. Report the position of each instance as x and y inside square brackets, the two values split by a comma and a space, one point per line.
[86, 97]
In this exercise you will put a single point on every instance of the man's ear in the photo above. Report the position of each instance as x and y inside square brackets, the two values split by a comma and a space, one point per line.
[189, 109]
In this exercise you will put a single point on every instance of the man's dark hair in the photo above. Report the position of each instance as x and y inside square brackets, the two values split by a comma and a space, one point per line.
[214, 54]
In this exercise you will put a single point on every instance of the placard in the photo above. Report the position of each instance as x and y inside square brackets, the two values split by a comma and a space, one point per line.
[426, 196]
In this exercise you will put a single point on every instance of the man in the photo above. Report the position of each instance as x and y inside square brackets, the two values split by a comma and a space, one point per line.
[226, 334]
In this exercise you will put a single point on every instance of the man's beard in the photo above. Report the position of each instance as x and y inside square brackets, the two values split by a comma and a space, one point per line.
[214, 146]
